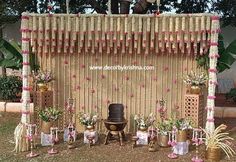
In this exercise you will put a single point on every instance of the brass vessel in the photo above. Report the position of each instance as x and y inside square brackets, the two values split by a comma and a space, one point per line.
[213, 154]
[46, 127]
[42, 87]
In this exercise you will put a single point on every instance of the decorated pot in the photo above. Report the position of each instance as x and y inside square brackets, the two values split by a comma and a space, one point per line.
[46, 127]
[182, 136]
[144, 129]
[89, 127]
[195, 90]
[42, 87]
[163, 140]
[213, 154]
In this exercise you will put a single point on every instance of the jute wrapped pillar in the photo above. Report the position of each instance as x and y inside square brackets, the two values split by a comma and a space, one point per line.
[21, 143]
[213, 55]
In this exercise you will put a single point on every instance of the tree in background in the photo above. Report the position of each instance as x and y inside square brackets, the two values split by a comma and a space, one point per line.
[227, 9]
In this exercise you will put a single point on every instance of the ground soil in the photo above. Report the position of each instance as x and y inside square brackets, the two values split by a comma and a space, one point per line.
[99, 152]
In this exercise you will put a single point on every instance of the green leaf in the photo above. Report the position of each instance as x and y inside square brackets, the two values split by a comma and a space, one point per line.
[231, 49]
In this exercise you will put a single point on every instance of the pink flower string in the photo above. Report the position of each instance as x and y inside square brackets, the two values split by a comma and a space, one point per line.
[211, 97]
[210, 120]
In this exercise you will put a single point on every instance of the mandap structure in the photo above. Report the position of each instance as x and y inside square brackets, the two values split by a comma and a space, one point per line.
[73, 45]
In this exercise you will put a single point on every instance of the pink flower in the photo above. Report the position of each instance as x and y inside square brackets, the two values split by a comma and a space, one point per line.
[74, 76]
[66, 62]
[88, 78]
[82, 66]
[103, 76]
[126, 77]
[78, 87]
[92, 90]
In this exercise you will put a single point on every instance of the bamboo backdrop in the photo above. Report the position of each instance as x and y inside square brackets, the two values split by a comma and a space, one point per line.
[139, 91]
[68, 44]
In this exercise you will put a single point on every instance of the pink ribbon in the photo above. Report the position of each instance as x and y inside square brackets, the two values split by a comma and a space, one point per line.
[215, 18]
[210, 120]
[26, 88]
[25, 63]
[211, 97]
[212, 70]
[25, 17]
[213, 43]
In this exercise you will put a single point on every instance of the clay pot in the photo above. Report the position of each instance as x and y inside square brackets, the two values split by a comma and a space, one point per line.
[195, 90]
[182, 136]
[42, 87]
[213, 154]
[46, 127]
[163, 140]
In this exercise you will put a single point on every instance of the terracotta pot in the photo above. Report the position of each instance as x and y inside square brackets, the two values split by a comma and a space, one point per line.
[42, 87]
[195, 90]
[163, 140]
[213, 154]
[182, 136]
[46, 127]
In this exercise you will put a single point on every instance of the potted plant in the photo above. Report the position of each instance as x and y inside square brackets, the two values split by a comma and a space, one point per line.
[216, 142]
[88, 120]
[195, 81]
[10, 88]
[48, 116]
[42, 79]
[144, 122]
[164, 127]
[183, 125]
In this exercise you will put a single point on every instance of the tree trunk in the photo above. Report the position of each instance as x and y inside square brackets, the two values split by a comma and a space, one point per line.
[141, 7]
[96, 6]
[1, 55]
[114, 7]
[124, 7]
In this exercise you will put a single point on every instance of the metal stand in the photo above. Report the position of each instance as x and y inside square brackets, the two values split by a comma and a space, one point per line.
[31, 132]
[54, 138]
[197, 139]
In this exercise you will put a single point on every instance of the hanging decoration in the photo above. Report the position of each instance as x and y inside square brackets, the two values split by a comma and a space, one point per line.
[166, 33]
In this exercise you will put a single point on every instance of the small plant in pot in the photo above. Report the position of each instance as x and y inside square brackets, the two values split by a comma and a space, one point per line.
[42, 78]
[216, 142]
[183, 125]
[48, 116]
[143, 122]
[195, 81]
[164, 127]
[88, 120]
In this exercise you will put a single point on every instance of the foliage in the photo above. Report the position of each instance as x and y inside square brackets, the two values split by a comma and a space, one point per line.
[10, 87]
[195, 79]
[219, 139]
[43, 77]
[226, 8]
[231, 94]
[50, 114]
[12, 56]
[191, 6]
[143, 121]
[227, 55]
[87, 119]
[183, 124]
[165, 126]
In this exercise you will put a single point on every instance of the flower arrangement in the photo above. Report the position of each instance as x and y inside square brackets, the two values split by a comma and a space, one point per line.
[43, 77]
[219, 139]
[50, 114]
[183, 124]
[88, 119]
[195, 79]
[145, 122]
[162, 109]
[165, 126]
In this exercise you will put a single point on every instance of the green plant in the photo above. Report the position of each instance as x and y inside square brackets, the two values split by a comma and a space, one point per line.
[231, 95]
[183, 124]
[50, 114]
[12, 56]
[143, 121]
[87, 119]
[10, 87]
[226, 59]
[165, 126]
[219, 139]
[195, 79]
